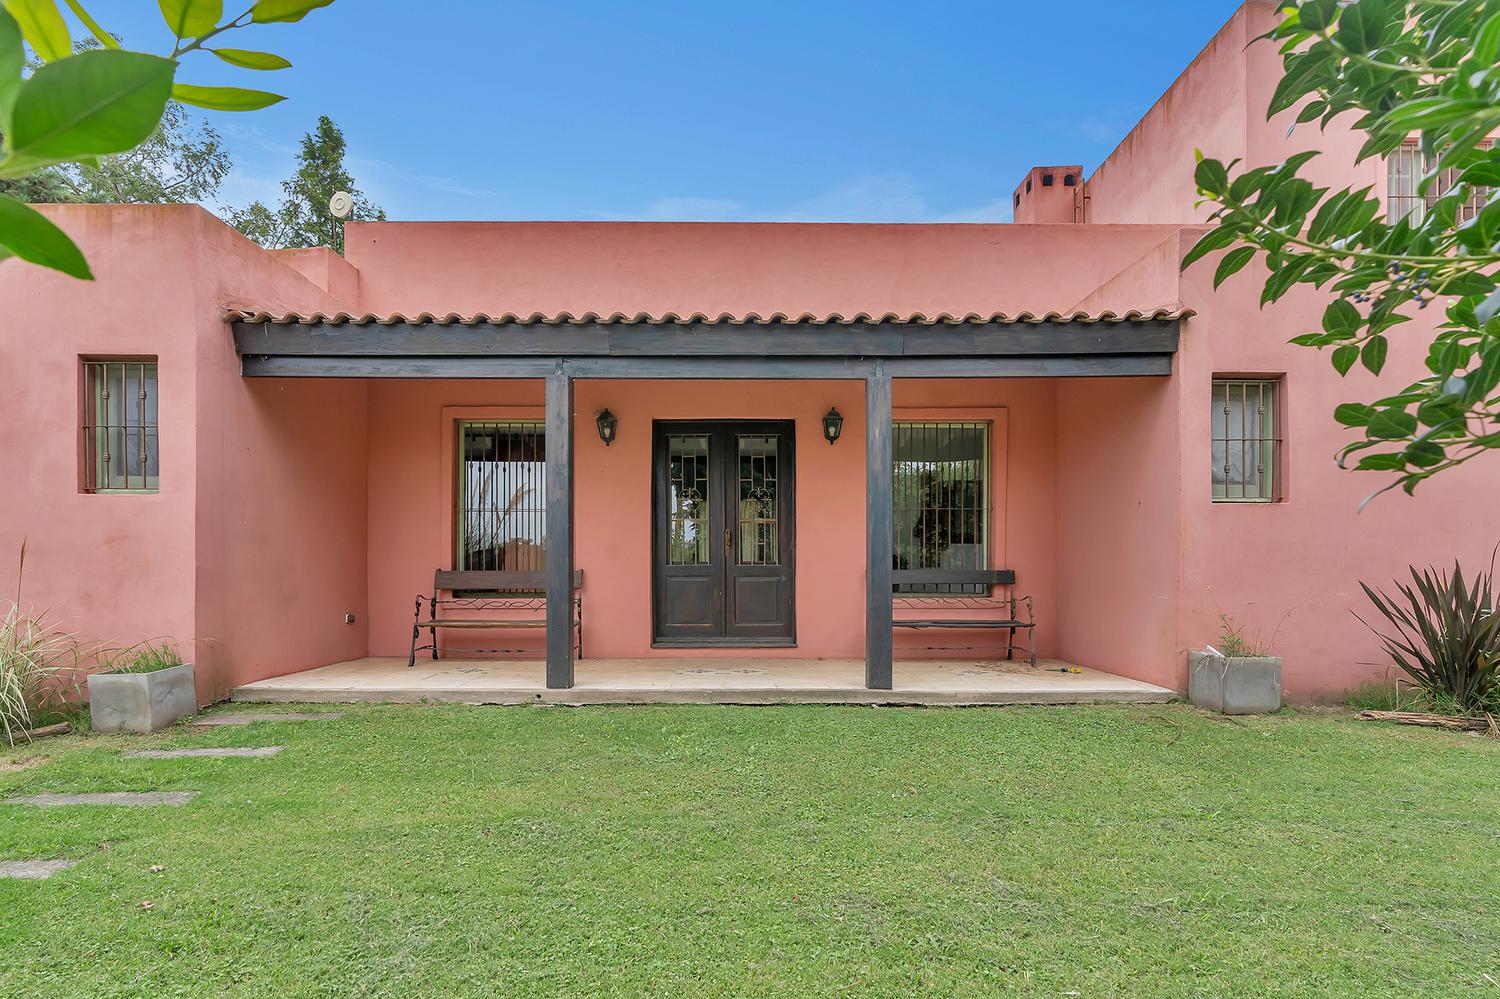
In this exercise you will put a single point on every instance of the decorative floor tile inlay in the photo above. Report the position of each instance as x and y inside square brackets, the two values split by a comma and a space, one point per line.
[725, 671]
[281, 716]
[177, 754]
[125, 799]
[33, 870]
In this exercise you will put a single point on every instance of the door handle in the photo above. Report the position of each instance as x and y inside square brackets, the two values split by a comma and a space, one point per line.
[728, 543]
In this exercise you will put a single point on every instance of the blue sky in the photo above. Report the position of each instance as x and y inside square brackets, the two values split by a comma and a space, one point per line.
[823, 111]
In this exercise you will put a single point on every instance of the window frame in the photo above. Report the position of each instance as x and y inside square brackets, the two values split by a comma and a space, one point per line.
[93, 446]
[986, 426]
[1416, 205]
[457, 507]
[1272, 437]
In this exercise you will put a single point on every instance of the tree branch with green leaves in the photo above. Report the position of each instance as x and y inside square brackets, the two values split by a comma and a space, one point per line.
[84, 105]
[1401, 70]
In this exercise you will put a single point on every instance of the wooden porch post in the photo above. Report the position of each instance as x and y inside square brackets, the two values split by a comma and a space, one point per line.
[559, 435]
[878, 486]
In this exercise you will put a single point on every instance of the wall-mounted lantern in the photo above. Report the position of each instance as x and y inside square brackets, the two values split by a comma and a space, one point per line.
[606, 423]
[833, 425]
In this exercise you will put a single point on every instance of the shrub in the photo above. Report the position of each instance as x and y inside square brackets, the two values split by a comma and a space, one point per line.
[1446, 636]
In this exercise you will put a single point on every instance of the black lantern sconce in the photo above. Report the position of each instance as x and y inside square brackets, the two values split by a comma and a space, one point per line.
[606, 424]
[833, 425]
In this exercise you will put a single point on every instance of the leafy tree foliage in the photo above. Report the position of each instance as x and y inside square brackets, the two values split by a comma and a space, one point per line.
[184, 161]
[1402, 68]
[80, 107]
[303, 218]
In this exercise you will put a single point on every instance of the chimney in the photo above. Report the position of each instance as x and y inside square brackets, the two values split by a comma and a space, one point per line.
[1050, 194]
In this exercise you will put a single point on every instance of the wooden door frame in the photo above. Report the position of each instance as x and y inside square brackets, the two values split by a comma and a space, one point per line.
[786, 431]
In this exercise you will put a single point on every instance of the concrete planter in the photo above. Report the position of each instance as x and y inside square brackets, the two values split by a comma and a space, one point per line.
[1234, 685]
[141, 702]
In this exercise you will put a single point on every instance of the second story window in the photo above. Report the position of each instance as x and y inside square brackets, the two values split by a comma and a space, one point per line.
[120, 447]
[1246, 441]
[1405, 168]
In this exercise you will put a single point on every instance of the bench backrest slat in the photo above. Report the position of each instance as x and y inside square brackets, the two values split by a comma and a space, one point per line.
[449, 579]
[953, 577]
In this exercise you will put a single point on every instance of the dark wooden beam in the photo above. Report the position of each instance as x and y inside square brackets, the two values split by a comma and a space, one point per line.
[708, 339]
[559, 553]
[259, 366]
[878, 529]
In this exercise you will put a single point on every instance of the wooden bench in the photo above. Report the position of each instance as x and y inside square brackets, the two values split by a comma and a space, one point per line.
[968, 611]
[487, 592]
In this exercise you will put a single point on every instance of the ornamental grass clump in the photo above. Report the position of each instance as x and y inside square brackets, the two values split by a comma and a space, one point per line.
[37, 666]
[1446, 636]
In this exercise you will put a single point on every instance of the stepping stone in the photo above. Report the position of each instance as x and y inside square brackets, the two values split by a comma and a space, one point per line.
[33, 870]
[126, 799]
[177, 754]
[247, 718]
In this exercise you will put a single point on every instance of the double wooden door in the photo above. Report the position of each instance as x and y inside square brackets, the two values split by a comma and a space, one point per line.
[724, 534]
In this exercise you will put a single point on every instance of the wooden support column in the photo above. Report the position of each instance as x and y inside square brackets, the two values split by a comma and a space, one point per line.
[878, 556]
[559, 406]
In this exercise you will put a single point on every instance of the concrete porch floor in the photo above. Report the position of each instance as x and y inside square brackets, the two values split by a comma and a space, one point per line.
[700, 681]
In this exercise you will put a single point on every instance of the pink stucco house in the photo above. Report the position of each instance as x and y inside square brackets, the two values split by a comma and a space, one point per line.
[266, 455]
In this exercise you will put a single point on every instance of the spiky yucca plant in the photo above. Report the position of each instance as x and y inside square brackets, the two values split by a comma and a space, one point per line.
[1447, 635]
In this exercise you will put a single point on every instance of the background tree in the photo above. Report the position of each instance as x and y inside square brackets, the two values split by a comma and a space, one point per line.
[1403, 67]
[302, 218]
[79, 108]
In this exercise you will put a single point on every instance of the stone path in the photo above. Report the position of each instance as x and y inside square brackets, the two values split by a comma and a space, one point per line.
[281, 716]
[126, 799]
[177, 754]
[33, 870]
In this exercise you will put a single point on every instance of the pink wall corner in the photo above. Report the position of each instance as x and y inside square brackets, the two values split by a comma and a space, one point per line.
[326, 269]
[1118, 547]
[1148, 178]
[281, 490]
[205, 561]
[1149, 282]
[112, 568]
[1291, 570]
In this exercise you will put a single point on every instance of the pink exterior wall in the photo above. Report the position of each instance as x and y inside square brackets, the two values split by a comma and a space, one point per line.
[738, 268]
[1291, 570]
[1218, 105]
[221, 560]
[413, 439]
[1118, 551]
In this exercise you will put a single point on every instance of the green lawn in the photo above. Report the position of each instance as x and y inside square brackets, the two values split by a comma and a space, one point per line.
[1102, 851]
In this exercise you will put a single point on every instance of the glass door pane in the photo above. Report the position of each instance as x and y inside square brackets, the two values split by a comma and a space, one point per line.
[687, 500]
[756, 495]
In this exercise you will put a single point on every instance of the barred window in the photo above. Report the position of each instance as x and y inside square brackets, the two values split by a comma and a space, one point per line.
[501, 510]
[120, 447]
[1405, 168]
[941, 500]
[1246, 441]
